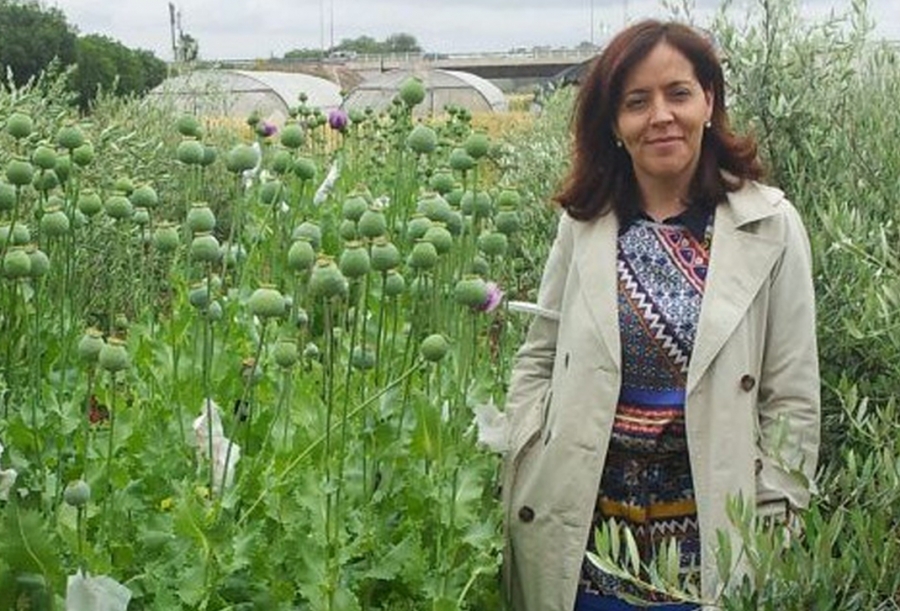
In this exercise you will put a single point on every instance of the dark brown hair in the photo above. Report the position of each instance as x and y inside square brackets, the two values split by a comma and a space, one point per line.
[602, 177]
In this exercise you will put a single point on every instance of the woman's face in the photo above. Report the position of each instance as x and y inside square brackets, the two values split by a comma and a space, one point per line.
[660, 117]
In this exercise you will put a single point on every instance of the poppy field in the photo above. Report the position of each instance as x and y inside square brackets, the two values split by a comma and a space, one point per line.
[263, 367]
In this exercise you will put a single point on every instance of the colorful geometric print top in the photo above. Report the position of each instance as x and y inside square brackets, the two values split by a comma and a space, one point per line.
[646, 483]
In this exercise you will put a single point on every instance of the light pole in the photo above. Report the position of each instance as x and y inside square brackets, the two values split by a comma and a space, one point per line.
[592, 23]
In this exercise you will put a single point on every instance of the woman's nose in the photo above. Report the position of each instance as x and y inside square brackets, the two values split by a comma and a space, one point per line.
[660, 112]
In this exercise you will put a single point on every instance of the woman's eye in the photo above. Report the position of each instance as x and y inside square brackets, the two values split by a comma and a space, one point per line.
[681, 94]
[634, 103]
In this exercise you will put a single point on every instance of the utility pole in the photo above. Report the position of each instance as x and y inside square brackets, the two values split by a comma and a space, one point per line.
[331, 42]
[172, 29]
[592, 23]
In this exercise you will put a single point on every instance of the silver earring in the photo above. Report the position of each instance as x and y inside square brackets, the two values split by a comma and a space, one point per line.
[618, 143]
[708, 124]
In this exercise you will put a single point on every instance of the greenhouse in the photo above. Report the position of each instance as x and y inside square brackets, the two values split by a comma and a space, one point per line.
[238, 93]
[443, 88]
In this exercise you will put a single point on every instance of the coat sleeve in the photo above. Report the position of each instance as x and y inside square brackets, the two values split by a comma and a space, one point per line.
[533, 366]
[789, 404]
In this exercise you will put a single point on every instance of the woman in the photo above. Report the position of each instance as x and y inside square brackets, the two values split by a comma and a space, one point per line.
[673, 368]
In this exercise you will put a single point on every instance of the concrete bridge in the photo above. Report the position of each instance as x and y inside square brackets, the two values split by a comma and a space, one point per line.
[516, 70]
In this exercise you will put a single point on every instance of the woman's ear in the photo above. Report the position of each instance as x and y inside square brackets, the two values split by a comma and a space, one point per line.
[710, 103]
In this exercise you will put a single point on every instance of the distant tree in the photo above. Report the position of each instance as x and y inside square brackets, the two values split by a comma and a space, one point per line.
[104, 63]
[402, 43]
[361, 44]
[298, 54]
[30, 37]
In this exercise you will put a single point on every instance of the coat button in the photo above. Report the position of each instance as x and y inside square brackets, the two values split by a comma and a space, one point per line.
[748, 382]
[526, 514]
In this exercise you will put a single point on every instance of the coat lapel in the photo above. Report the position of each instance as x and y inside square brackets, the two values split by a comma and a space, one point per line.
[740, 262]
[595, 258]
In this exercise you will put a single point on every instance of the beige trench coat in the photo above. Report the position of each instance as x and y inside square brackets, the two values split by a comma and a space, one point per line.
[752, 408]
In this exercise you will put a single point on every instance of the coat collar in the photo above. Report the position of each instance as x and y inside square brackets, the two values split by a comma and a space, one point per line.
[740, 261]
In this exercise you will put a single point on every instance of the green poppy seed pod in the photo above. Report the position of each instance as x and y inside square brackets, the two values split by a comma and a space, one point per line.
[479, 266]
[482, 204]
[311, 352]
[434, 207]
[271, 192]
[69, 137]
[354, 206]
[507, 221]
[54, 223]
[44, 157]
[354, 262]
[442, 181]
[304, 168]
[477, 145]
[493, 244]
[89, 203]
[213, 311]
[7, 197]
[308, 231]
[282, 162]
[286, 353]
[89, 345]
[417, 226]
[240, 158]
[412, 91]
[83, 155]
[18, 236]
[267, 302]
[423, 256]
[113, 356]
[199, 295]
[394, 284]
[471, 291]
[19, 125]
[141, 218]
[327, 280]
[372, 224]
[362, 358]
[347, 230]
[434, 347]
[145, 197]
[19, 172]
[77, 493]
[166, 238]
[189, 152]
[301, 317]
[124, 185]
[188, 126]
[422, 139]
[209, 155]
[292, 136]
[301, 256]
[455, 223]
[509, 198]
[200, 218]
[233, 253]
[460, 160]
[118, 207]
[16, 263]
[454, 197]
[79, 220]
[63, 167]
[385, 255]
[40, 262]
[205, 248]
[45, 180]
[440, 236]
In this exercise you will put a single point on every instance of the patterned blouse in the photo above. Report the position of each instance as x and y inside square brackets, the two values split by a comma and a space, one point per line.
[646, 483]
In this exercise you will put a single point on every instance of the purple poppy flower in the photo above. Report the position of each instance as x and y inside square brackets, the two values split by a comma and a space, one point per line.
[266, 129]
[494, 297]
[338, 120]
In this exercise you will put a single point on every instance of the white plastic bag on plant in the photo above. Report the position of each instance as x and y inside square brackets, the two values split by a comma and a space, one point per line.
[102, 593]
[7, 479]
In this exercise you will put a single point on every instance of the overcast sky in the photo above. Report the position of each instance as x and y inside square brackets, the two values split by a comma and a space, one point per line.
[246, 29]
